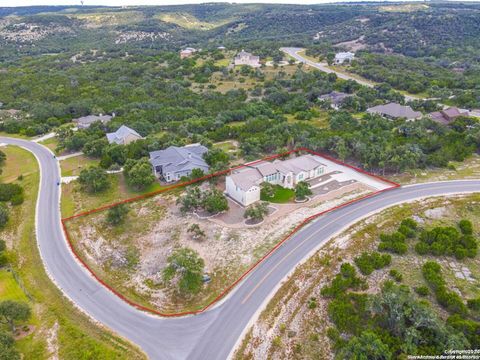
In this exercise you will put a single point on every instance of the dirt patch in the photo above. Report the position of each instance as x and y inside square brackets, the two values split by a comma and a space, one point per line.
[132, 256]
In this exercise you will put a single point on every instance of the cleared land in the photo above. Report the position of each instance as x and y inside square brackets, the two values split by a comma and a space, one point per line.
[131, 256]
[73, 165]
[290, 319]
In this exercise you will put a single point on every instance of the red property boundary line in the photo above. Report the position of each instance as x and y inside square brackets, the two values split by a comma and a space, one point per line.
[206, 177]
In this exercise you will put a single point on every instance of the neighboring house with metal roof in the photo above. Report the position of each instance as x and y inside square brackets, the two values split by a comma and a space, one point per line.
[84, 122]
[245, 58]
[448, 115]
[123, 136]
[243, 185]
[187, 52]
[174, 162]
[395, 111]
[341, 57]
[336, 98]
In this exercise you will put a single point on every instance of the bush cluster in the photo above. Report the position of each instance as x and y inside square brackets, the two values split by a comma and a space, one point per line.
[395, 242]
[212, 201]
[11, 192]
[448, 241]
[367, 263]
[451, 301]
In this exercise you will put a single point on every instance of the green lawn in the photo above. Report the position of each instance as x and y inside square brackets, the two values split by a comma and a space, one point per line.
[78, 337]
[75, 200]
[17, 164]
[9, 288]
[72, 166]
[222, 62]
[281, 196]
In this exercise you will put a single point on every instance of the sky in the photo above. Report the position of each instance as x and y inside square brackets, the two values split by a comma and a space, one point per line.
[10, 3]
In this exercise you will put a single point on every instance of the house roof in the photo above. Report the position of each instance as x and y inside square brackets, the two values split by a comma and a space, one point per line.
[336, 97]
[300, 163]
[175, 159]
[244, 54]
[246, 178]
[90, 119]
[447, 115]
[395, 110]
[251, 176]
[120, 135]
[344, 55]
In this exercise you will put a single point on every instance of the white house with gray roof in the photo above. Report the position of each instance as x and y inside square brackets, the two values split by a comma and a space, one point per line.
[243, 185]
[123, 136]
[174, 162]
[395, 111]
[84, 122]
[245, 58]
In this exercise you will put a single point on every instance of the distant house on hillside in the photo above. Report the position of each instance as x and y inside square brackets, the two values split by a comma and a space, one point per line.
[395, 111]
[84, 122]
[245, 58]
[174, 162]
[123, 136]
[243, 185]
[446, 116]
[336, 98]
[341, 57]
[187, 52]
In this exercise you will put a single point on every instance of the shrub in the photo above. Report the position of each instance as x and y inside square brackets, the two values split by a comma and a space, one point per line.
[188, 266]
[367, 263]
[408, 232]
[410, 223]
[396, 275]
[256, 211]
[302, 190]
[8, 191]
[447, 241]
[138, 173]
[17, 199]
[422, 248]
[346, 279]
[94, 179]
[4, 215]
[474, 304]
[3, 259]
[451, 301]
[466, 227]
[394, 243]
[422, 290]
[117, 214]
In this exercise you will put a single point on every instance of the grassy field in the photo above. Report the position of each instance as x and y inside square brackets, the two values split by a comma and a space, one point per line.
[189, 21]
[16, 164]
[9, 288]
[72, 166]
[78, 337]
[75, 200]
[468, 169]
[281, 195]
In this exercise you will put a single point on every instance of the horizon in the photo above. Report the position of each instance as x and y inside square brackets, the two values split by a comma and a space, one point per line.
[122, 3]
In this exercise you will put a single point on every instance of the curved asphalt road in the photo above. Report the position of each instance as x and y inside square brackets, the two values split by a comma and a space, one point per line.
[294, 52]
[213, 334]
